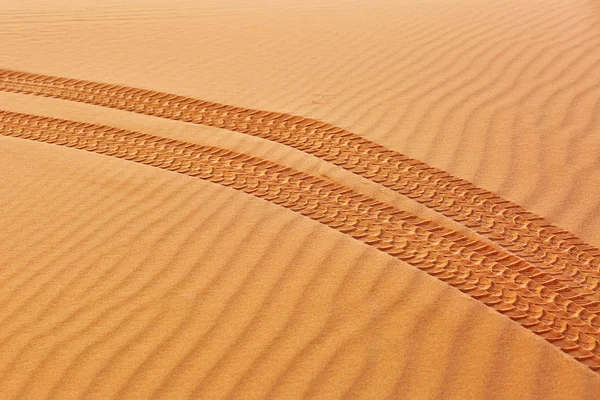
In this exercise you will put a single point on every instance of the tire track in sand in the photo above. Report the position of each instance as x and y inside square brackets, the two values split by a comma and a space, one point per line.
[527, 235]
[570, 327]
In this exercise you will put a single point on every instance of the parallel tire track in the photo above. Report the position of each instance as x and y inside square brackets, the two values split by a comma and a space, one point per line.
[563, 322]
[559, 253]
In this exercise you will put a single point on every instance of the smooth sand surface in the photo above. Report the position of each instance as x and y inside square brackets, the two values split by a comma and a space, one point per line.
[124, 275]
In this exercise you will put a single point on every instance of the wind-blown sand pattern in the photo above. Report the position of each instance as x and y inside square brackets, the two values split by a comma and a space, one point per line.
[534, 306]
[159, 243]
[527, 234]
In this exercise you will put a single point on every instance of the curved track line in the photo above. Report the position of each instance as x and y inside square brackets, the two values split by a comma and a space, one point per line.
[527, 235]
[570, 327]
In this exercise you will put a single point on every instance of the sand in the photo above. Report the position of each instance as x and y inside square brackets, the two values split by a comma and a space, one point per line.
[248, 199]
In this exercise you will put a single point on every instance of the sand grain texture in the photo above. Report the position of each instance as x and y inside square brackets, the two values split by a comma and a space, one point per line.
[184, 292]
[255, 204]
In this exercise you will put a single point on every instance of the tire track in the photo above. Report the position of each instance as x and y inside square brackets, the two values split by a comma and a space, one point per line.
[510, 266]
[351, 213]
[528, 236]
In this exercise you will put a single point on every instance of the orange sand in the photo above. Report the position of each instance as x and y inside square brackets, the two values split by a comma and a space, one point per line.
[122, 280]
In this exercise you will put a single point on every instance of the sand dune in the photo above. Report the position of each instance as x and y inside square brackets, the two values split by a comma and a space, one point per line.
[249, 199]
[174, 303]
[409, 177]
[449, 83]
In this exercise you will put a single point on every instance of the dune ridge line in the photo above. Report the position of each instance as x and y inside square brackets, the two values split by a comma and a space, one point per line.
[526, 235]
[441, 253]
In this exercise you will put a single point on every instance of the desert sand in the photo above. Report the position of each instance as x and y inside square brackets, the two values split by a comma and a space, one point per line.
[300, 199]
